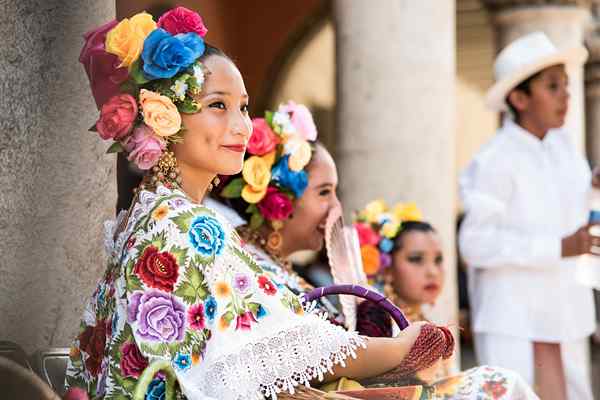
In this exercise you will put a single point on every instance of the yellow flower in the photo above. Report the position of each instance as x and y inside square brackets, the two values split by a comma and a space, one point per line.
[300, 154]
[222, 289]
[126, 40]
[448, 386]
[407, 212]
[370, 259]
[270, 158]
[160, 212]
[373, 210]
[196, 358]
[252, 196]
[223, 323]
[390, 229]
[257, 173]
[160, 113]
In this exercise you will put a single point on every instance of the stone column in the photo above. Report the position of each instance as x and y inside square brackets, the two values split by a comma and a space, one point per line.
[396, 110]
[57, 184]
[564, 21]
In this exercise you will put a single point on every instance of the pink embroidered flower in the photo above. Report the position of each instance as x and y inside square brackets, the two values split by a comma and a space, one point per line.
[117, 117]
[263, 140]
[301, 119]
[144, 147]
[266, 285]
[242, 283]
[195, 316]
[102, 68]
[182, 20]
[366, 235]
[275, 205]
[244, 321]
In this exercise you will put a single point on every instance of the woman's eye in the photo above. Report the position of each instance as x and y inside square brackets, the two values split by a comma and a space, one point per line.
[245, 109]
[325, 192]
[415, 259]
[217, 104]
[439, 260]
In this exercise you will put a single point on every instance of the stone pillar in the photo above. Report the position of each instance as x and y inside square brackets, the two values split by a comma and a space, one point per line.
[564, 21]
[396, 111]
[57, 184]
[592, 93]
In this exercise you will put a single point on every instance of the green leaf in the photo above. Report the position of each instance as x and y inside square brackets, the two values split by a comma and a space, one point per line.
[252, 208]
[160, 349]
[269, 117]
[137, 74]
[130, 87]
[116, 147]
[180, 255]
[256, 220]
[228, 316]
[253, 307]
[117, 396]
[247, 260]
[233, 189]
[187, 292]
[133, 283]
[183, 221]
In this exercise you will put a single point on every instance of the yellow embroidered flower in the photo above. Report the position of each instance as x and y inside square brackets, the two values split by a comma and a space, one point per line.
[222, 289]
[447, 387]
[407, 212]
[196, 358]
[300, 154]
[270, 158]
[370, 258]
[373, 210]
[252, 196]
[223, 323]
[160, 212]
[256, 173]
[160, 113]
[126, 40]
[390, 229]
[74, 353]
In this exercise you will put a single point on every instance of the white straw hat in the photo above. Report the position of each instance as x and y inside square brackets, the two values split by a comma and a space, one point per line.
[523, 58]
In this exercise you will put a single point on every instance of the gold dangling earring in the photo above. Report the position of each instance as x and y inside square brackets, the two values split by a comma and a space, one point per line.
[275, 239]
[213, 184]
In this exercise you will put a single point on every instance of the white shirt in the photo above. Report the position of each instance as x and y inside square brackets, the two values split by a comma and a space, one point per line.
[523, 195]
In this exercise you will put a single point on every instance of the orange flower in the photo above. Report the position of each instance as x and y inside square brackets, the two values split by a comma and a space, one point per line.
[222, 289]
[196, 358]
[448, 386]
[160, 212]
[223, 323]
[370, 259]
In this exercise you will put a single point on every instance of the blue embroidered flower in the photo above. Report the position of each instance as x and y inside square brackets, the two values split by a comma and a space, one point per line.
[207, 236]
[285, 177]
[386, 245]
[182, 361]
[166, 55]
[156, 390]
[261, 312]
[210, 308]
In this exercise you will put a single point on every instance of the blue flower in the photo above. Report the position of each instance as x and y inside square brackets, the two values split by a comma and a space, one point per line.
[207, 236]
[285, 177]
[210, 308]
[156, 390]
[386, 245]
[261, 312]
[182, 361]
[166, 55]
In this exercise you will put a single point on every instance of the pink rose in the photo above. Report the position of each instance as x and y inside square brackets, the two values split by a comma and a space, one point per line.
[133, 361]
[263, 140]
[102, 68]
[144, 147]
[366, 235]
[275, 205]
[302, 120]
[182, 20]
[117, 117]
[244, 321]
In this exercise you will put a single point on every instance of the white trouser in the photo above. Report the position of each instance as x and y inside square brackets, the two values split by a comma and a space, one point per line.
[517, 354]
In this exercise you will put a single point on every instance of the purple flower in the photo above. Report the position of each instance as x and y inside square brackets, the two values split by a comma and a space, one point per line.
[385, 260]
[242, 283]
[159, 316]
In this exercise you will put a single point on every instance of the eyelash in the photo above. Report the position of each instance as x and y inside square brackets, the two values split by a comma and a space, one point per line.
[324, 192]
[220, 105]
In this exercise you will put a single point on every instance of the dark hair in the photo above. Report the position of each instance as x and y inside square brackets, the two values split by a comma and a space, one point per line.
[214, 51]
[408, 227]
[525, 87]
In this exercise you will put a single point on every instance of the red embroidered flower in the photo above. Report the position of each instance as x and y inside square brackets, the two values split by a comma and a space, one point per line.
[195, 317]
[92, 341]
[495, 389]
[157, 270]
[266, 285]
[244, 321]
[133, 361]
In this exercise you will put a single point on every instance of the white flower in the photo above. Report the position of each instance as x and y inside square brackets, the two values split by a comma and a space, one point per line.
[180, 87]
[199, 75]
[283, 120]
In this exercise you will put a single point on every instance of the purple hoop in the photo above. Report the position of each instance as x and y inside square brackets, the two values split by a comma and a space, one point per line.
[364, 293]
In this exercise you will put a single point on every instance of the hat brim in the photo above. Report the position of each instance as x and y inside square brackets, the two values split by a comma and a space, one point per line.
[496, 95]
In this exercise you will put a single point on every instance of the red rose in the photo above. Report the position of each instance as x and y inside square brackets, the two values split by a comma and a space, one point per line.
[157, 270]
[275, 205]
[117, 117]
[133, 361]
[92, 341]
[495, 389]
[182, 20]
[266, 285]
[263, 140]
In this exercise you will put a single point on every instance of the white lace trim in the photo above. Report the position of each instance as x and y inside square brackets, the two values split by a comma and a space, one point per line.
[276, 363]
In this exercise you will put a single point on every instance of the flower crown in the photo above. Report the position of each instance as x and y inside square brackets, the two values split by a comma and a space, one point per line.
[143, 74]
[377, 226]
[274, 173]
